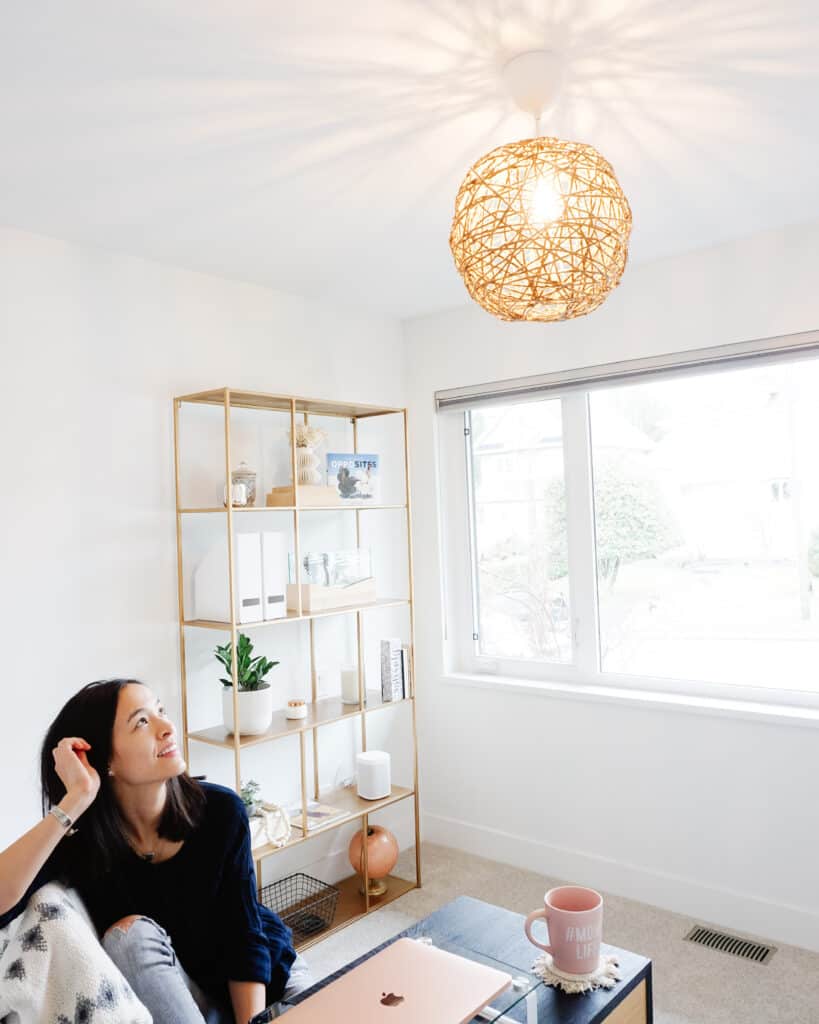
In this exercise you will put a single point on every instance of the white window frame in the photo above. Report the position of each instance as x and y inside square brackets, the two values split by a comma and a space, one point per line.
[583, 673]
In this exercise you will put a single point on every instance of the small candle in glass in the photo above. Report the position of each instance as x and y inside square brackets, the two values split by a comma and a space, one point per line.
[349, 684]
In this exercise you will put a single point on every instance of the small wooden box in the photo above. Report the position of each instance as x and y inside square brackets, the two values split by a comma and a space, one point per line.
[280, 496]
[320, 599]
[310, 496]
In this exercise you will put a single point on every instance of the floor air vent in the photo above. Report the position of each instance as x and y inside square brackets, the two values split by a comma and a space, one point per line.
[733, 944]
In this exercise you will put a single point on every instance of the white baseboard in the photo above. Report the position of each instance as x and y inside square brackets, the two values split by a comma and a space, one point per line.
[778, 922]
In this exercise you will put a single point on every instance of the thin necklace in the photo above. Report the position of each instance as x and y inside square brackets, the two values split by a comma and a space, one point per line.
[150, 854]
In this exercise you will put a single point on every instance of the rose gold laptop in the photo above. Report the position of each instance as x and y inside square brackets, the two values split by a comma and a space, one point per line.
[408, 981]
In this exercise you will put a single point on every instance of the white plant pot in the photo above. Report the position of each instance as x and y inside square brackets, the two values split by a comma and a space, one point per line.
[255, 710]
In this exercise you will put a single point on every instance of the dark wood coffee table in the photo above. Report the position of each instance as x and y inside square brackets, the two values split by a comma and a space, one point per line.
[469, 926]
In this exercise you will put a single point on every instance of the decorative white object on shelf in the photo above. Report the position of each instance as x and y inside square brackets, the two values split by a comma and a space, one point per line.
[296, 709]
[373, 767]
[247, 476]
[308, 436]
[274, 574]
[307, 465]
[271, 825]
[238, 495]
[255, 710]
[307, 440]
[210, 591]
[349, 684]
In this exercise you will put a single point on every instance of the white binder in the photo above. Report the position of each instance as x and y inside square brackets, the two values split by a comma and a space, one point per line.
[211, 589]
[274, 574]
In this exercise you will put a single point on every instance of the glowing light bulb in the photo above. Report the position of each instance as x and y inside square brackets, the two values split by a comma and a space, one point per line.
[546, 204]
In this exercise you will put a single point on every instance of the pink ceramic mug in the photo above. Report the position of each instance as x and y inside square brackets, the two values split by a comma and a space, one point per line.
[574, 916]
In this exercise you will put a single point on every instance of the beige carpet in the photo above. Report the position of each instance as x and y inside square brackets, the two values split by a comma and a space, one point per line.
[692, 985]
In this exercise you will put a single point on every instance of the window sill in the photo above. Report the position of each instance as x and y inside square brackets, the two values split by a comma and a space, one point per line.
[779, 714]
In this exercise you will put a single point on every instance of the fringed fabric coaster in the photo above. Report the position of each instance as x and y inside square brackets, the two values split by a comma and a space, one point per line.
[606, 975]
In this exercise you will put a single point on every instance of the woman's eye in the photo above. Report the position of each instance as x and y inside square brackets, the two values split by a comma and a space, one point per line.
[142, 721]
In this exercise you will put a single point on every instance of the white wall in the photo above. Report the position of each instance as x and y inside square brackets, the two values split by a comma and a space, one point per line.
[710, 816]
[93, 346]
[713, 817]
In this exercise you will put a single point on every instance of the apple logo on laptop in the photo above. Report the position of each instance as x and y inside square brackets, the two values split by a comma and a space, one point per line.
[391, 999]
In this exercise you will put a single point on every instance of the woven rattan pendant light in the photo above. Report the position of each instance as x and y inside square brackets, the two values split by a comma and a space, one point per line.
[541, 226]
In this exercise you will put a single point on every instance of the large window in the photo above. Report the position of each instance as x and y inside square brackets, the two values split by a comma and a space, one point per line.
[660, 531]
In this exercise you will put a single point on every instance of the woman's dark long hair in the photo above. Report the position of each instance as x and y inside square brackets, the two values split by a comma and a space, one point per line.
[101, 838]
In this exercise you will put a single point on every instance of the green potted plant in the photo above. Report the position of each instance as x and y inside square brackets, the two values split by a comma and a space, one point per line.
[255, 695]
[251, 794]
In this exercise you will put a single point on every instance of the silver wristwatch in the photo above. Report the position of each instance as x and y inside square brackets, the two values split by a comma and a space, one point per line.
[62, 817]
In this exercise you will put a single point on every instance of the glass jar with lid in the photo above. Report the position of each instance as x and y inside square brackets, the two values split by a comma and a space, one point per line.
[247, 476]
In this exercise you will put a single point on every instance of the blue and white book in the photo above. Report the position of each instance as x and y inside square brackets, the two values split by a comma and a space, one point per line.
[354, 475]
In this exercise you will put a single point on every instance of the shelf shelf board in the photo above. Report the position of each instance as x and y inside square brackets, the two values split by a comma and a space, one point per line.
[351, 905]
[347, 507]
[292, 616]
[281, 403]
[323, 712]
[345, 798]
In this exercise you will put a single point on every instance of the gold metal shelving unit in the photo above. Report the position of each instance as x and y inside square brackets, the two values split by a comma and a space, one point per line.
[352, 904]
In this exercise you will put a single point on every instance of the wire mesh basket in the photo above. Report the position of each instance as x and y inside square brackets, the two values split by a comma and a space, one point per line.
[305, 904]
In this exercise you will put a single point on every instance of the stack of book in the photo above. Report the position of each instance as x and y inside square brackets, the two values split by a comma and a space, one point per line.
[395, 670]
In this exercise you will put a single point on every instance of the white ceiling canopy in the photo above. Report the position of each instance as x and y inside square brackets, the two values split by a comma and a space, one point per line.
[317, 147]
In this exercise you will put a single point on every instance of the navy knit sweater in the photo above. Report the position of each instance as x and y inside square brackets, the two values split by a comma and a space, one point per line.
[204, 897]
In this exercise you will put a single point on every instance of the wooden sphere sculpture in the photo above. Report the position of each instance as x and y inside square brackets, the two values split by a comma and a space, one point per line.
[382, 856]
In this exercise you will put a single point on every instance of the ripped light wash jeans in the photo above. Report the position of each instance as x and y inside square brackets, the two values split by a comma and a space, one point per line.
[144, 954]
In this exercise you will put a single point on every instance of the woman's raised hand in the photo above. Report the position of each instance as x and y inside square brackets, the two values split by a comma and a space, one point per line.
[81, 780]
[21, 861]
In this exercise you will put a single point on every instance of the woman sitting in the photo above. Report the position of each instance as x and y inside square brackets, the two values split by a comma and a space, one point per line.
[162, 862]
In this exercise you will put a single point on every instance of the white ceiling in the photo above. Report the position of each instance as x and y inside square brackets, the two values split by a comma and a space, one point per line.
[317, 145]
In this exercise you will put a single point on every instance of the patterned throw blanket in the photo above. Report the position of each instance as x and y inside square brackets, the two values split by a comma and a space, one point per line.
[53, 969]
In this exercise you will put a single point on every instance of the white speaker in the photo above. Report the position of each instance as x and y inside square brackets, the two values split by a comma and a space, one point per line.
[373, 768]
